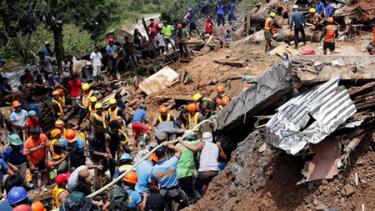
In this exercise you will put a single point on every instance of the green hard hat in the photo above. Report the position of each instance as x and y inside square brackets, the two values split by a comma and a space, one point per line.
[15, 139]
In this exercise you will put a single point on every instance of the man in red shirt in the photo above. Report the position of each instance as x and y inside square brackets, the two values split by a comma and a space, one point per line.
[74, 86]
[208, 27]
[35, 150]
[32, 121]
[154, 28]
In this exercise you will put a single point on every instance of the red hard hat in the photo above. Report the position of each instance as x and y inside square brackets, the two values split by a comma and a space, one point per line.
[62, 178]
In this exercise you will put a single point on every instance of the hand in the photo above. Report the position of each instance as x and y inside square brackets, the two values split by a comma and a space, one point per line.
[218, 144]
[100, 167]
[109, 156]
[14, 168]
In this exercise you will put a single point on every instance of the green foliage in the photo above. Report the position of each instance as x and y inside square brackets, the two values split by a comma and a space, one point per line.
[77, 42]
[249, 4]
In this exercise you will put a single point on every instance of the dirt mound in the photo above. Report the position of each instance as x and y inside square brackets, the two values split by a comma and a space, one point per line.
[266, 179]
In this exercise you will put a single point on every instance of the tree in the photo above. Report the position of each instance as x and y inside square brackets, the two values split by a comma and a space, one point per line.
[24, 16]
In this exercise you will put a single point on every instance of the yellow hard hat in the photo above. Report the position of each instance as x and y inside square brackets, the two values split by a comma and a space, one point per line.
[197, 97]
[272, 14]
[312, 10]
[93, 99]
[112, 101]
[98, 106]
[85, 86]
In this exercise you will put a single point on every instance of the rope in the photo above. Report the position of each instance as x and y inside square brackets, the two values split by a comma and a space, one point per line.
[144, 158]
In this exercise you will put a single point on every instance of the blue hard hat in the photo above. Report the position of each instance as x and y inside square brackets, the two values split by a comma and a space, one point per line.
[17, 194]
[125, 157]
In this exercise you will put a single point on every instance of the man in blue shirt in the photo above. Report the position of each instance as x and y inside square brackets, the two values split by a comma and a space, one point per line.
[75, 147]
[112, 51]
[220, 12]
[139, 122]
[298, 21]
[13, 155]
[231, 12]
[134, 198]
[328, 10]
[164, 173]
[143, 172]
[47, 49]
[320, 7]
[18, 117]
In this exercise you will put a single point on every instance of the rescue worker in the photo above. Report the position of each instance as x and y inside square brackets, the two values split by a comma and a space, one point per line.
[139, 121]
[57, 107]
[204, 105]
[12, 155]
[220, 90]
[116, 139]
[164, 178]
[298, 21]
[91, 109]
[32, 121]
[194, 117]
[98, 119]
[164, 115]
[114, 112]
[85, 102]
[58, 156]
[330, 32]
[269, 30]
[18, 118]
[59, 192]
[224, 101]
[181, 41]
[124, 163]
[75, 147]
[59, 124]
[315, 19]
[61, 97]
[134, 198]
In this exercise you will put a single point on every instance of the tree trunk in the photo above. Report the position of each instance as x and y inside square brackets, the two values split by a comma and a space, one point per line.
[59, 44]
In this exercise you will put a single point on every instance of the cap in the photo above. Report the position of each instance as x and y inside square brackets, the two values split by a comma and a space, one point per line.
[15, 140]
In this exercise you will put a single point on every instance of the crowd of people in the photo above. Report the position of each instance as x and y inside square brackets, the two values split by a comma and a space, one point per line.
[320, 18]
[103, 139]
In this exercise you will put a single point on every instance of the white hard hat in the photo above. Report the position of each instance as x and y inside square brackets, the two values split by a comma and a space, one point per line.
[295, 6]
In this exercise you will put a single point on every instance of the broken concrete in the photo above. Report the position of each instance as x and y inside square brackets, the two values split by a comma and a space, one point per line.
[314, 69]
[158, 81]
[271, 86]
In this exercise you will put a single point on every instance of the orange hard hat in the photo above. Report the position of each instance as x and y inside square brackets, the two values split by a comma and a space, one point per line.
[55, 133]
[220, 88]
[163, 109]
[37, 206]
[16, 103]
[131, 177]
[225, 100]
[191, 107]
[71, 135]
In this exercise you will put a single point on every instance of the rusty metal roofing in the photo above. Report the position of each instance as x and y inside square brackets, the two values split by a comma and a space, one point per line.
[310, 117]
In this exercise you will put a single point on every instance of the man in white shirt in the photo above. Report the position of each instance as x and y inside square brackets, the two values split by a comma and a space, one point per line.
[96, 59]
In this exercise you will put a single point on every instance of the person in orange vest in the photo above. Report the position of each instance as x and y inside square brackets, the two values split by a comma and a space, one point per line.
[330, 32]
[194, 117]
[269, 30]
[57, 107]
[220, 90]
[58, 156]
[164, 115]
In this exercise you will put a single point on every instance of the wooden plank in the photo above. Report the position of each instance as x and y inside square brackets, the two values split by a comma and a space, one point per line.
[230, 62]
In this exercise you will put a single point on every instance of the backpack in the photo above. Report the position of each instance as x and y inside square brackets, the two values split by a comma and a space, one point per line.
[119, 200]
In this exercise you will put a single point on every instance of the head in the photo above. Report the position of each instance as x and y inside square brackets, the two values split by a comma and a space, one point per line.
[152, 20]
[17, 196]
[197, 97]
[114, 125]
[220, 90]
[191, 108]
[190, 135]
[59, 124]
[207, 137]
[88, 64]
[143, 107]
[99, 108]
[35, 133]
[272, 15]
[16, 106]
[71, 136]
[110, 41]
[37, 206]
[330, 20]
[113, 103]
[15, 142]
[130, 179]
[163, 110]
[96, 49]
[56, 133]
[125, 158]
[312, 11]
[86, 87]
[179, 26]
[84, 176]
[327, 1]
[159, 154]
[295, 7]
[47, 44]
[126, 39]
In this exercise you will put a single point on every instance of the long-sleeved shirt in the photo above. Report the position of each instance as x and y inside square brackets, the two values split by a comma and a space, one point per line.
[320, 8]
[298, 20]
[328, 11]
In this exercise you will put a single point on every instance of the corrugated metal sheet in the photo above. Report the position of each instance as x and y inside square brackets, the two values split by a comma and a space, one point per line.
[310, 117]
[14, 76]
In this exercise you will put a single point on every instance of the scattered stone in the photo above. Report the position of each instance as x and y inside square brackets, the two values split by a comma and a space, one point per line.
[348, 190]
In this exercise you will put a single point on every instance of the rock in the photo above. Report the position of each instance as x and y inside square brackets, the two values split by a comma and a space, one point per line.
[321, 206]
[348, 190]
